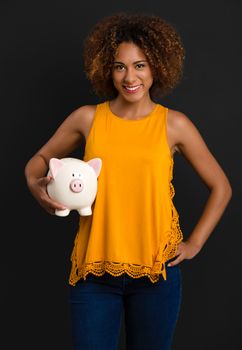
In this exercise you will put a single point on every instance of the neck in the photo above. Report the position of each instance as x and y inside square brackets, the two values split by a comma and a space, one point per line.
[130, 109]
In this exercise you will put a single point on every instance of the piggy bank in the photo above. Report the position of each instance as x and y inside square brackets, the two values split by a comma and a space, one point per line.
[73, 184]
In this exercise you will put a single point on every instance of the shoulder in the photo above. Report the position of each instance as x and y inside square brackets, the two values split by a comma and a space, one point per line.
[178, 126]
[177, 119]
[196, 151]
[82, 117]
[84, 112]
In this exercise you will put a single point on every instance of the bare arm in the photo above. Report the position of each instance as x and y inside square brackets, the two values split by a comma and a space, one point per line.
[65, 140]
[192, 146]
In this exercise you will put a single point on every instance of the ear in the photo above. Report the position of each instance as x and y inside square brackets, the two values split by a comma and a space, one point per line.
[55, 165]
[96, 164]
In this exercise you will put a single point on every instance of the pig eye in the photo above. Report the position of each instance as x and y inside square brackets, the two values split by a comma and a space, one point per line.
[73, 175]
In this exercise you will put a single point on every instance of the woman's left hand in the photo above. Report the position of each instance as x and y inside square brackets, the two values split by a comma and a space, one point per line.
[185, 250]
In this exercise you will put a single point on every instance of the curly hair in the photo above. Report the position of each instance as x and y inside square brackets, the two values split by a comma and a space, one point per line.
[157, 39]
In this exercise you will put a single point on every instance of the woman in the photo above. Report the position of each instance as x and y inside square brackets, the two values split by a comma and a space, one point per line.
[126, 255]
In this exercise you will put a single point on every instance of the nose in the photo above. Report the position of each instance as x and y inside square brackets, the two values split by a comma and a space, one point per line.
[130, 76]
[76, 186]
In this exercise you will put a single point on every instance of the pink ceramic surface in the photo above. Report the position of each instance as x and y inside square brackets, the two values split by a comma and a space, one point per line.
[74, 184]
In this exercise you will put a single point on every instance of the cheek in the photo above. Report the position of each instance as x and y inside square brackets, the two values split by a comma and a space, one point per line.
[151, 78]
[116, 78]
[148, 77]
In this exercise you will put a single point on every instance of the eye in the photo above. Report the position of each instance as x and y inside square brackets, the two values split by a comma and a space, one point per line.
[140, 65]
[118, 67]
[73, 175]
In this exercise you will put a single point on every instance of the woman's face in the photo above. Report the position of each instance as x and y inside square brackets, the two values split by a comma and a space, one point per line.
[131, 72]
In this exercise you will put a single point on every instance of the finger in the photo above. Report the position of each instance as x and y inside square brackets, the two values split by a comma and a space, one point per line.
[51, 206]
[180, 248]
[54, 205]
[49, 178]
[176, 261]
[45, 180]
[51, 211]
[48, 208]
[59, 206]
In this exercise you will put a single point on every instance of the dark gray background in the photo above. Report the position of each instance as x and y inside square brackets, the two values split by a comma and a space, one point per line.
[42, 81]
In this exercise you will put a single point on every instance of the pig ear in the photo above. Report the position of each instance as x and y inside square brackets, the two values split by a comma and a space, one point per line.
[55, 164]
[96, 164]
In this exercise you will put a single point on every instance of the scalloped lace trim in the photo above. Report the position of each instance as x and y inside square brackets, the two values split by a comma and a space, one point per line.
[167, 251]
[174, 236]
[114, 269]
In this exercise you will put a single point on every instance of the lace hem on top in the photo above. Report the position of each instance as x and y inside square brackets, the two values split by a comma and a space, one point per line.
[173, 237]
[167, 251]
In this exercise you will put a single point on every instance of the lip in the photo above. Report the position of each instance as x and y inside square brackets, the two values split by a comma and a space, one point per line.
[126, 87]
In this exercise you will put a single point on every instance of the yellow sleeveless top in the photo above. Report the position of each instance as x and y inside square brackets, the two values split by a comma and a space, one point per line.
[134, 227]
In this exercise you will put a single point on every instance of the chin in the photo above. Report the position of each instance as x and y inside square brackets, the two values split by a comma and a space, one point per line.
[134, 97]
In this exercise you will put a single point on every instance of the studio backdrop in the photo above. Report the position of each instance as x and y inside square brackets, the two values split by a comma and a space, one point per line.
[42, 82]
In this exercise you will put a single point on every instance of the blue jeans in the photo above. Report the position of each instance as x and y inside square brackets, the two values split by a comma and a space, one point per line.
[150, 311]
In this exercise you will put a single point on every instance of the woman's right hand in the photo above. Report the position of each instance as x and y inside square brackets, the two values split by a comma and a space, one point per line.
[38, 188]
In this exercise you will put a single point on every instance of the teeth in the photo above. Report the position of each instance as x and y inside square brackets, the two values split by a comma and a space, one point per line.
[132, 88]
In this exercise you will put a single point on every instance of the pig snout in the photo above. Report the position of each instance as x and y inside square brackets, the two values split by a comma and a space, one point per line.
[76, 185]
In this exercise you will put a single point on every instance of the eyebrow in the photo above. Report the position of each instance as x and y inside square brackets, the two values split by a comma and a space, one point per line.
[133, 62]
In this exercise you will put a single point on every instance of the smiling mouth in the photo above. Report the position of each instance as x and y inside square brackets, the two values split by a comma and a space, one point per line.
[131, 89]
